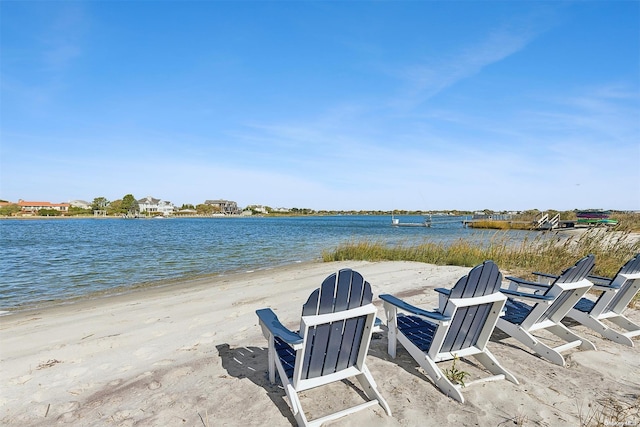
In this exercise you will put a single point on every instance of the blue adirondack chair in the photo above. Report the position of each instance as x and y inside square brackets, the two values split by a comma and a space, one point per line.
[461, 327]
[549, 302]
[333, 341]
[615, 295]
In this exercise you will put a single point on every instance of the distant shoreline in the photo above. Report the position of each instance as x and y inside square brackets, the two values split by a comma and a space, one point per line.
[29, 218]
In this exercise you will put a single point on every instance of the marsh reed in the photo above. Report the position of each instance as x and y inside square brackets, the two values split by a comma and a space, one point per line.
[503, 225]
[549, 252]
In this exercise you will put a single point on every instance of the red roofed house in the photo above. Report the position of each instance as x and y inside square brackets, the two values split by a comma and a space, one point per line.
[34, 207]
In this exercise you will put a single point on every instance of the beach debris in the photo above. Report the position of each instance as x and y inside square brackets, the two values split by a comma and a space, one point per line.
[49, 363]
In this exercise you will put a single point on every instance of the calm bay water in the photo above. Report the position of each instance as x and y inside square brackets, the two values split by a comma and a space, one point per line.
[52, 259]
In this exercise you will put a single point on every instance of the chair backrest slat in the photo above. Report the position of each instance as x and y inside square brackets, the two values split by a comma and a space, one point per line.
[361, 295]
[334, 346]
[468, 322]
[483, 279]
[344, 290]
[339, 338]
[557, 304]
[573, 274]
[327, 297]
[627, 291]
[632, 266]
[578, 271]
[322, 332]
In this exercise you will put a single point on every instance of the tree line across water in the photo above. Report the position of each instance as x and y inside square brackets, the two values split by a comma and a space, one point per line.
[129, 206]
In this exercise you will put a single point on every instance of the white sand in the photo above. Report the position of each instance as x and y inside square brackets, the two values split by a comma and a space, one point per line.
[192, 354]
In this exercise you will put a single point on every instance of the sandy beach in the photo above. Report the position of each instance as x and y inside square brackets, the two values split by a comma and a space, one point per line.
[193, 354]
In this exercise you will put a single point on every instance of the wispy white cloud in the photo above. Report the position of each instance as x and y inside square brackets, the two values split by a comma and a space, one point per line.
[427, 79]
[559, 154]
[610, 113]
[62, 38]
[472, 60]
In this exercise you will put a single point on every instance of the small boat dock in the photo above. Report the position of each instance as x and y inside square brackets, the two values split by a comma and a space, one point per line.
[543, 222]
[427, 222]
[395, 222]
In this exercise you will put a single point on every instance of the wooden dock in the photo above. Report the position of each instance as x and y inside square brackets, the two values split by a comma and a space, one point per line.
[396, 223]
[428, 222]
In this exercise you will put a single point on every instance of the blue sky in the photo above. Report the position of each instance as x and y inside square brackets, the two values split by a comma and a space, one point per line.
[326, 105]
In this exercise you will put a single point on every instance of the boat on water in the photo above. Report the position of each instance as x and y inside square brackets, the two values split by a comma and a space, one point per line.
[593, 214]
[594, 217]
[605, 221]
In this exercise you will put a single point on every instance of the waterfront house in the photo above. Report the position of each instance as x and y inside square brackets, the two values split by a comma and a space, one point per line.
[155, 206]
[226, 207]
[80, 204]
[32, 208]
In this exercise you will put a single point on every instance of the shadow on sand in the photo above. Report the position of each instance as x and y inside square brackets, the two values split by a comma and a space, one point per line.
[251, 363]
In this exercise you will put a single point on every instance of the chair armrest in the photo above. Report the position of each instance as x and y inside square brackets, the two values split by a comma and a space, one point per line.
[550, 276]
[527, 283]
[269, 320]
[604, 287]
[593, 276]
[600, 280]
[443, 297]
[412, 309]
[527, 296]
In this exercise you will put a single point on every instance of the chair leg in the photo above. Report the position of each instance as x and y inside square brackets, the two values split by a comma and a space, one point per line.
[392, 329]
[371, 390]
[431, 369]
[563, 332]
[633, 330]
[271, 351]
[618, 337]
[441, 380]
[488, 360]
[296, 406]
[548, 353]
[530, 341]
[607, 332]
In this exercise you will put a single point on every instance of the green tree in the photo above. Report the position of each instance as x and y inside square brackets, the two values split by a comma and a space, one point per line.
[49, 212]
[115, 208]
[9, 210]
[204, 209]
[129, 205]
[187, 206]
[99, 204]
[74, 210]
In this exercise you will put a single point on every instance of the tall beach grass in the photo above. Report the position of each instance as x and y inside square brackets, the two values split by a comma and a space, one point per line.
[503, 225]
[546, 252]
